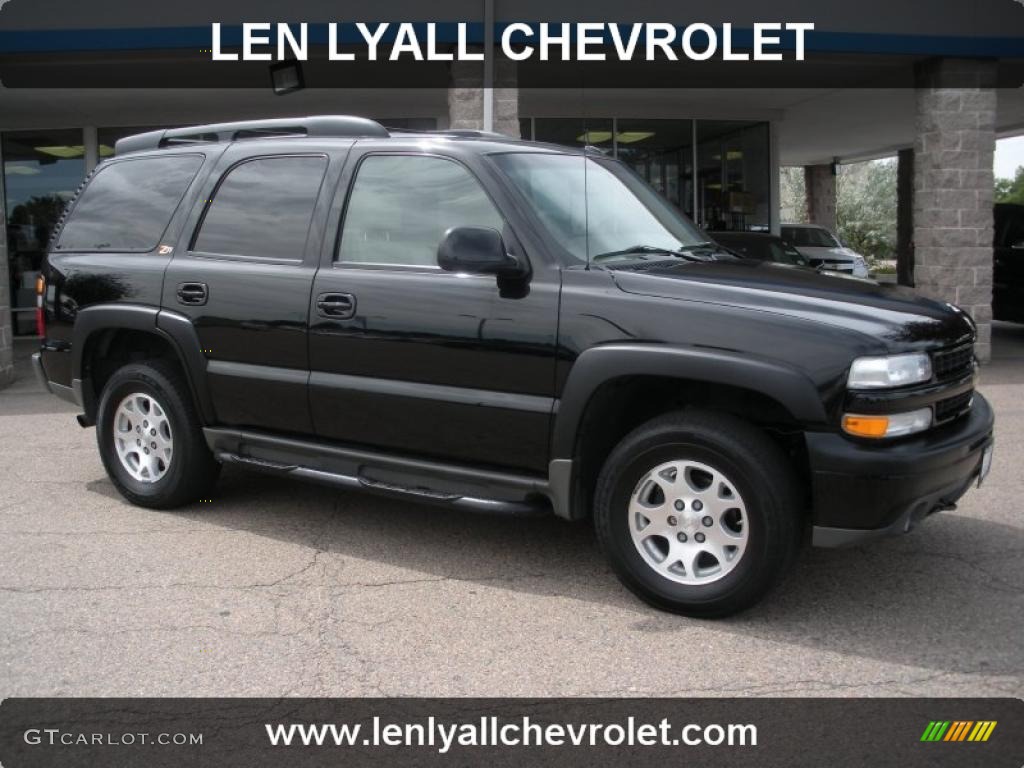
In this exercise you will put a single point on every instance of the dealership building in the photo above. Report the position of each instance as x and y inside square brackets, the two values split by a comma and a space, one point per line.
[934, 83]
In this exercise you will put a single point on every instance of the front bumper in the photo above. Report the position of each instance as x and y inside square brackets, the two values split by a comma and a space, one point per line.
[863, 491]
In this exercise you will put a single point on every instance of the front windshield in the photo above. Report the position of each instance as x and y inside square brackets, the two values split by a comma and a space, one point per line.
[627, 220]
[786, 254]
[811, 237]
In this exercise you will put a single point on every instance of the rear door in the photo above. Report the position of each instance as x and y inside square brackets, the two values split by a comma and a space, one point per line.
[412, 359]
[244, 274]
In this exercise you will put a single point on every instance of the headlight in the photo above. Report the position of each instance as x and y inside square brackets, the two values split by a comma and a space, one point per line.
[890, 425]
[893, 371]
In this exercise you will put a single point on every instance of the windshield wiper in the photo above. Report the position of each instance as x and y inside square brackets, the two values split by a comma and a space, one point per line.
[682, 251]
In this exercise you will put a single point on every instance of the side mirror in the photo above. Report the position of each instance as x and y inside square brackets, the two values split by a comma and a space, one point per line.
[477, 251]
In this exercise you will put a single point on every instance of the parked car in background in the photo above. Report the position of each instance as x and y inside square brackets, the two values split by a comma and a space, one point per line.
[761, 246]
[824, 249]
[1008, 270]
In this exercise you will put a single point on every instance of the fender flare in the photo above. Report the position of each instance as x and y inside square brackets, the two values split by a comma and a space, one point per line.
[174, 328]
[598, 365]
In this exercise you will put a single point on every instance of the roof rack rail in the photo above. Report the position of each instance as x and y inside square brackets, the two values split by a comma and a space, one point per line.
[323, 126]
[457, 133]
[471, 134]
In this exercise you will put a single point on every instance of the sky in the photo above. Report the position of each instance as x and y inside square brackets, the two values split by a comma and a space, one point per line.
[1009, 156]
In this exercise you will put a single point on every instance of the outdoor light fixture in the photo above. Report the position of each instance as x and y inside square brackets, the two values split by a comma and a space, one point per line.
[286, 77]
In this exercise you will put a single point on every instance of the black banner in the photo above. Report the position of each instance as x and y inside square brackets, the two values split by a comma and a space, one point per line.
[500, 732]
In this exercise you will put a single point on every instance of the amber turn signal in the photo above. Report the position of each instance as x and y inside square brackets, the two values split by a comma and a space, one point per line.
[888, 425]
[866, 426]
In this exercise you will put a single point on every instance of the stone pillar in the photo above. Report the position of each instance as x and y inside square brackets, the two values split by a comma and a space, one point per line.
[506, 99]
[953, 187]
[466, 97]
[820, 190]
[6, 330]
[905, 217]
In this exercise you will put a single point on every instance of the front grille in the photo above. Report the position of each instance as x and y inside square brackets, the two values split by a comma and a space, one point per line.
[952, 407]
[953, 363]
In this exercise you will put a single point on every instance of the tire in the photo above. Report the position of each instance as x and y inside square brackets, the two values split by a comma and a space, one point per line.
[182, 469]
[752, 496]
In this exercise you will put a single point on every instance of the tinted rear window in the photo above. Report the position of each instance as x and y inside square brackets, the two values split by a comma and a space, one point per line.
[128, 204]
[263, 208]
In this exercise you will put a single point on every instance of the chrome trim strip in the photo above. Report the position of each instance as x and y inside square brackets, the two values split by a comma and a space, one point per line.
[444, 393]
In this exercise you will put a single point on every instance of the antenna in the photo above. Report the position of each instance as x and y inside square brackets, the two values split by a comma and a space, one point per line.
[586, 190]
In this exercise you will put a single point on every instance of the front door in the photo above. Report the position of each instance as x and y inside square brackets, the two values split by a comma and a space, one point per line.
[412, 359]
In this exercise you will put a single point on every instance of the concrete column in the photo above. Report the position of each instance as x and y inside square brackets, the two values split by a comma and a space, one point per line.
[905, 217]
[466, 98]
[774, 211]
[820, 190]
[91, 144]
[506, 99]
[6, 332]
[953, 187]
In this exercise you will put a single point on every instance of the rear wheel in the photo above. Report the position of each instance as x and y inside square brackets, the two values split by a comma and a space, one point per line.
[150, 437]
[698, 512]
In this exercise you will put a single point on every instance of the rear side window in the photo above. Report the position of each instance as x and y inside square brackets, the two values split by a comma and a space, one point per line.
[263, 208]
[128, 204]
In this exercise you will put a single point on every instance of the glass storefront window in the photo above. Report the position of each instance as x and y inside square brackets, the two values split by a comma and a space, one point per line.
[730, 186]
[42, 170]
[733, 184]
[574, 132]
[661, 151]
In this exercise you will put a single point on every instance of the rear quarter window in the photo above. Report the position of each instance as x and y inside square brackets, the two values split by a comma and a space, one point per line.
[128, 204]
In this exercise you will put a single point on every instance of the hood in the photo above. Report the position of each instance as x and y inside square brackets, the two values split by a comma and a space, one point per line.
[894, 315]
[821, 252]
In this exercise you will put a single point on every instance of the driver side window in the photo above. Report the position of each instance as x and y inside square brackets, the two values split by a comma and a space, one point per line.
[401, 205]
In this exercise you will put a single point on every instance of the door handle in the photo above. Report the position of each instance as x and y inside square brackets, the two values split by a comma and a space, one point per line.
[193, 294]
[336, 305]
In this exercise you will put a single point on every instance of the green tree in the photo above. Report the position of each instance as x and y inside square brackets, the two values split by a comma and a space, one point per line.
[1011, 190]
[792, 194]
[866, 207]
[40, 212]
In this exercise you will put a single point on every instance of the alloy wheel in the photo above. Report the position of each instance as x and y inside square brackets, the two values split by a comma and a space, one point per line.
[142, 437]
[688, 522]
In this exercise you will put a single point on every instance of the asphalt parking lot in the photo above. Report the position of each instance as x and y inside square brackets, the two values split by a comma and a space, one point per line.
[280, 588]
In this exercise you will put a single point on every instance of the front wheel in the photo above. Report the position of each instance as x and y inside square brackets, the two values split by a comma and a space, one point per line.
[150, 437]
[698, 513]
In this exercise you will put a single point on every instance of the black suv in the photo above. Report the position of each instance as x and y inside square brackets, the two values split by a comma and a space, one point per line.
[503, 327]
